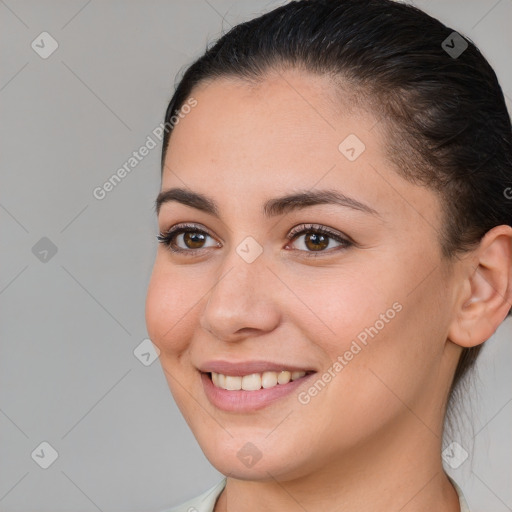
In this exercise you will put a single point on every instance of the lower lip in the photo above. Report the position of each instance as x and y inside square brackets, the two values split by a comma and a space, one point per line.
[247, 401]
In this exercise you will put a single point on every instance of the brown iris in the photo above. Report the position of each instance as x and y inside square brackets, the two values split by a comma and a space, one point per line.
[193, 240]
[317, 240]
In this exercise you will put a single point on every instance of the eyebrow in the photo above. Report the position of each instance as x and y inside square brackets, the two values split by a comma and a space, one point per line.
[271, 208]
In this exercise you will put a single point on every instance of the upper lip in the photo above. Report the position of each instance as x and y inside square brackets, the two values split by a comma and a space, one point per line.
[242, 368]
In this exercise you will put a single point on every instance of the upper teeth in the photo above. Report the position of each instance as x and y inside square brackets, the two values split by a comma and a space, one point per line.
[254, 381]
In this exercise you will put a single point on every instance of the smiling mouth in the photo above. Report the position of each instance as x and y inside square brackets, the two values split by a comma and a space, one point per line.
[255, 381]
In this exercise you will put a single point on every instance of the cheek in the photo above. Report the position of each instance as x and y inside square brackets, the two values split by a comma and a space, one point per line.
[344, 306]
[389, 343]
[170, 308]
[363, 320]
[170, 320]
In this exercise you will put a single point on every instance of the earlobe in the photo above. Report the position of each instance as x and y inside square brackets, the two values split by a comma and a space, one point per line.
[486, 296]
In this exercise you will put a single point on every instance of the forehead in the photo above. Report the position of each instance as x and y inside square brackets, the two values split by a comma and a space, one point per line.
[245, 141]
[308, 103]
[287, 122]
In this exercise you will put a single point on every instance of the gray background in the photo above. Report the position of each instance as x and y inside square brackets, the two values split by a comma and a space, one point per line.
[69, 325]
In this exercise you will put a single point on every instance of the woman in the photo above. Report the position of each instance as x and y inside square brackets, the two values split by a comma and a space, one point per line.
[335, 248]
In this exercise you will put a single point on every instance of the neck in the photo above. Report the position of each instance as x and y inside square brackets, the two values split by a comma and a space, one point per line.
[400, 469]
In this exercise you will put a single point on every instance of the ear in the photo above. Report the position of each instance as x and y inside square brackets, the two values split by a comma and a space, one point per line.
[486, 292]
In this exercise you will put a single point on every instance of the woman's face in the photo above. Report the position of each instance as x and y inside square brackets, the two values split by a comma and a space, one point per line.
[370, 317]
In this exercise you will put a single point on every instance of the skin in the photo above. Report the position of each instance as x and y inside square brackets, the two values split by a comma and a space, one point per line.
[371, 439]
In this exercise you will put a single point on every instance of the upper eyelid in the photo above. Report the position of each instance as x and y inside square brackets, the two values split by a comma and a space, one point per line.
[308, 226]
[186, 227]
[295, 230]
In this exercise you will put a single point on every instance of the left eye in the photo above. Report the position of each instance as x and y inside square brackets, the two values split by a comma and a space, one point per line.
[317, 238]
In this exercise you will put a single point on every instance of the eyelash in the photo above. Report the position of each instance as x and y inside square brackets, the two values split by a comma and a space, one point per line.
[167, 238]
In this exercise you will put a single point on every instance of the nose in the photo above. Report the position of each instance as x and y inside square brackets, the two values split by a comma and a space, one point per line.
[242, 301]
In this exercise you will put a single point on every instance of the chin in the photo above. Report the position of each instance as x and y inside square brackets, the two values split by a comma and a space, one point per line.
[257, 460]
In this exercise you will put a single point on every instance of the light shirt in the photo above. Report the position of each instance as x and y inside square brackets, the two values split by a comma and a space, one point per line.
[206, 501]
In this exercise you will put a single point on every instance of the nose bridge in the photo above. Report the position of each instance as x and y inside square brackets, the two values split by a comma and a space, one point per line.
[239, 299]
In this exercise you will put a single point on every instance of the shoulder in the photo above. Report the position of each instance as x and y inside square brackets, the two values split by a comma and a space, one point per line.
[462, 500]
[203, 503]
[206, 501]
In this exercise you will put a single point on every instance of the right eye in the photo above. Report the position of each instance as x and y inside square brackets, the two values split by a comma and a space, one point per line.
[192, 239]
